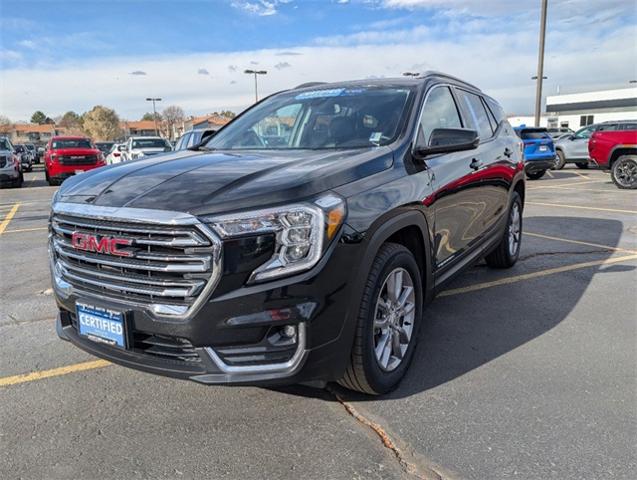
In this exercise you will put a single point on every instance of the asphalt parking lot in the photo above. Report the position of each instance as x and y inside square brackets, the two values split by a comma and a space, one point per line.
[525, 373]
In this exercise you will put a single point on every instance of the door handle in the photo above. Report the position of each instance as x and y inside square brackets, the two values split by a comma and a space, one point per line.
[508, 152]
[475, 163]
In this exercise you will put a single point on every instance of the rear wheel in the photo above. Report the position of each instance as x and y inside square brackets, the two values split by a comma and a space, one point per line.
[624, 172]
[582, 165]
[388, 321]
[560, 160]
[536, 175]
[508, 250]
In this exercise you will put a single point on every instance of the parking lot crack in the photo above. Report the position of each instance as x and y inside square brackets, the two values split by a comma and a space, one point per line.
[407, 466]
[543, 254]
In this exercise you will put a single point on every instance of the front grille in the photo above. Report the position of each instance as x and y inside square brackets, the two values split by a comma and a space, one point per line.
[167, 267]
[77, 159]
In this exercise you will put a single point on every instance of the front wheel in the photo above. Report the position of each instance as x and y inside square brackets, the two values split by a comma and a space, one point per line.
[388, 321]
[536, 175]
[508, 250]
[19, 181]
[624, 172]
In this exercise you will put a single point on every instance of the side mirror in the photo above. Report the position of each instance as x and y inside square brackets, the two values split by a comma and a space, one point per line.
[447, 140]
[121, 148]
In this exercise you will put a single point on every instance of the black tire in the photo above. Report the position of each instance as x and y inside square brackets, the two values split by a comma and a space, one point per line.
[19, 181]
[582, 165]
[560, 160]
[624, 172]
[502, 256]
[536, 175]
[364, 374]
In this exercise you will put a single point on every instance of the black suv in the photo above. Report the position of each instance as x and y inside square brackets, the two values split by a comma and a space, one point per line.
[300, 243]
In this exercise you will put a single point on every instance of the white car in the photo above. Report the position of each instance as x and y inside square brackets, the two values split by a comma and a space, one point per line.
[140, 147]
[115, 154]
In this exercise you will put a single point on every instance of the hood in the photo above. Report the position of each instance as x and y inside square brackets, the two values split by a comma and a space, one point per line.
[149, 151]
[213, 182]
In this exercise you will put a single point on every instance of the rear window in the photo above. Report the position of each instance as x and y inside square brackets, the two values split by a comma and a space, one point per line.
[150, 143]
[71, 143]
[533, 134]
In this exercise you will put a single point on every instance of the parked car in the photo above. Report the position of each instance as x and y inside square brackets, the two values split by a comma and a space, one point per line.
[24, 156]
[311, 260]
[68, 156]
[574, 148]
[539, 150]
[104, 147]
[557, 132]
[616, 151]
[194, 137]
[140, 147]
[115, 154]
[39, 153]
[10, 167]
[33, 151]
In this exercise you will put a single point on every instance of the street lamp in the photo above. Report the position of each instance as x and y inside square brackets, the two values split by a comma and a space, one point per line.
[534, 77]
[255, 73]
[540, 64]
[632, 81]
[154, 112]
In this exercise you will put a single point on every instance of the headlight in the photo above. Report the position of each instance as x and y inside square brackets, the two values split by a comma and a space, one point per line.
[302, 232]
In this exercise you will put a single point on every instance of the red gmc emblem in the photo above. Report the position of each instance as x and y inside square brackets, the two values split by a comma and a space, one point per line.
[91, 243]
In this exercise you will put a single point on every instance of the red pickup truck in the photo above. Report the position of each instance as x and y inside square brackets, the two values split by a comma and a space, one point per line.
[66, 156]
[616, 150]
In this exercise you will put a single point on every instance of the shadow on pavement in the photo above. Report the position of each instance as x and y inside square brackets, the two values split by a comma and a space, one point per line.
[463, 332]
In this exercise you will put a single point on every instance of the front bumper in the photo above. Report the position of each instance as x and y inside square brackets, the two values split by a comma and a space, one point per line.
[62, 172]
[532, 166]
[231, 333]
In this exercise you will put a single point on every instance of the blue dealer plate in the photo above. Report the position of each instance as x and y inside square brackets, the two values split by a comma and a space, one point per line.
[101, 325]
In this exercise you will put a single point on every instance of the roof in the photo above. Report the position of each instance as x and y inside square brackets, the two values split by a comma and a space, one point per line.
[33, 127]
[139, 125]
[69, 137]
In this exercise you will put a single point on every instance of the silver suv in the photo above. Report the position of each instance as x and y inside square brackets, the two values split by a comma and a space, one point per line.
[574, 148]
[10, 168]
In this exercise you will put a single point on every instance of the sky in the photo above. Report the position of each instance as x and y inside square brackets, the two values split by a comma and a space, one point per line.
[57, 56]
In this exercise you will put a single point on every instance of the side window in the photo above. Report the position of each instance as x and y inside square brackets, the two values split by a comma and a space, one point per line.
[492, 120]
[439, 111]
[496, 110]
[475, 115]
[584, 132]
[629, 126]
[191, 140]
[608, 127]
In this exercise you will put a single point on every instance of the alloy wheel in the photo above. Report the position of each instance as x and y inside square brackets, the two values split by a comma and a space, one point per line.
[394, 319]
[626, 173]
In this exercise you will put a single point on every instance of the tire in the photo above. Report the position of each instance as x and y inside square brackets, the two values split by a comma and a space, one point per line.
[505, 255]
[536, 175]
[366, 372]
[624, 172]
[582, 165]
[19, 181]
[560, 160]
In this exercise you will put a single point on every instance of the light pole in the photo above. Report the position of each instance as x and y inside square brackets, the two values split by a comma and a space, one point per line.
[540, 64]
[255, 73]
[154, 112]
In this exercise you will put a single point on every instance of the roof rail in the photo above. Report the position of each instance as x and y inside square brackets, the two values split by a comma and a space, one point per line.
[310, 84]
[446, 75]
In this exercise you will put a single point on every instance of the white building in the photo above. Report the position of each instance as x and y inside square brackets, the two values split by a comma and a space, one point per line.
[575, 110]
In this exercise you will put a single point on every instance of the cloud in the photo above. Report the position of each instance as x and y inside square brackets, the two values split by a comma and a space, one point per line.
[137, 72]
[282, 65]
[28, 44]
[203, 71]
[262, 8]
[10, 55]
[233, 68]
[233, 82]
[288, 54]
[252, 62]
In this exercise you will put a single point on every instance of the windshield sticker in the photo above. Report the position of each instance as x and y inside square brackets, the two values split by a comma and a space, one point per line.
[375, 137]
[335, 92]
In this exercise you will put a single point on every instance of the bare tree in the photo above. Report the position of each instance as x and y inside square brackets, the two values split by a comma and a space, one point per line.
[173, 117]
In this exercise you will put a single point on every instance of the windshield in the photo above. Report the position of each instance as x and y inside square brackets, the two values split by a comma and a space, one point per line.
[150, 143]
[4, 144]
[104, 146]
[71, 143]
[30, 147]
[533, 134]
[319, 119]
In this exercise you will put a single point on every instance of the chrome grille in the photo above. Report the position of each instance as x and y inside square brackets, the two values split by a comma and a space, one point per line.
[168, 265]
[77, 159]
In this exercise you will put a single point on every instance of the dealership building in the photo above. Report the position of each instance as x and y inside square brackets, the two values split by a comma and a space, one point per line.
[576, 110]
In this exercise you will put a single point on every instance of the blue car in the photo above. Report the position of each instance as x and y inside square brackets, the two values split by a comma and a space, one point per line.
[539, 150]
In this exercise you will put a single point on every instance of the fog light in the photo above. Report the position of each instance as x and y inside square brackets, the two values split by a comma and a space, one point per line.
[288, 331]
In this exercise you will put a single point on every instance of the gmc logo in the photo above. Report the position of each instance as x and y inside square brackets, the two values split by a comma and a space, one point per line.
[91, 243]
